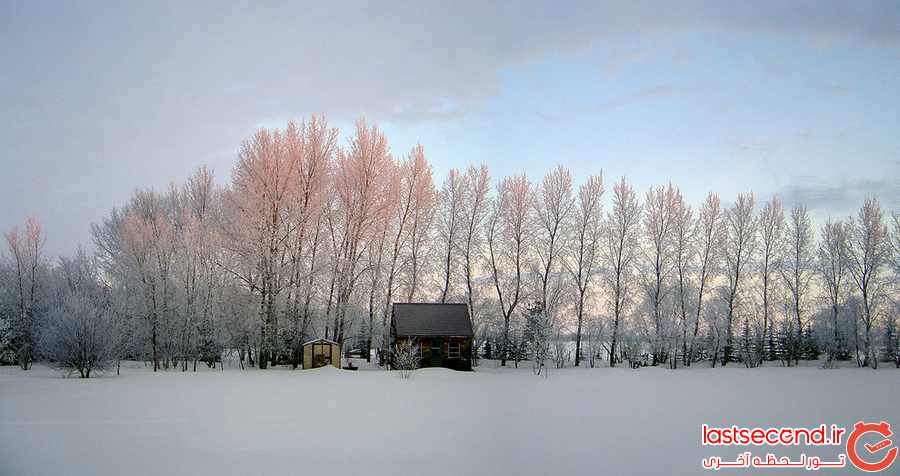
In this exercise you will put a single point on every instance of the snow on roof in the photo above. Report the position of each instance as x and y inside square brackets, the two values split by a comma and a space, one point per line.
[432, 319]
[320, 340]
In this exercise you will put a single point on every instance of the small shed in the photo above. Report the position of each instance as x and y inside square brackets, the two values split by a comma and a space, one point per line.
[442, 331]
[321, 352]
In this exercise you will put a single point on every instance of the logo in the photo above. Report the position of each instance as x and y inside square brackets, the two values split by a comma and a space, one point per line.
[887, 459]
[867, 446]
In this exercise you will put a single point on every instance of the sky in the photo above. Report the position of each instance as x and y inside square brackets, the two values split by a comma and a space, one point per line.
[797, 99]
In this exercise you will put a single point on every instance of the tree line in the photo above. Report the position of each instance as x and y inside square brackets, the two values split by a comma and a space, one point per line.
[311, 238]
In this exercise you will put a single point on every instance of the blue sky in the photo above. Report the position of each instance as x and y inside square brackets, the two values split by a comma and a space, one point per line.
[799, 99]
[727, 113]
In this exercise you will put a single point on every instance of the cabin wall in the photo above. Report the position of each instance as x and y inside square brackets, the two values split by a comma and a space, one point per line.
[428, 359]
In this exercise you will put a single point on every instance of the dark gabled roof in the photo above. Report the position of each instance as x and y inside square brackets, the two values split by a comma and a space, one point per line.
[432, 319]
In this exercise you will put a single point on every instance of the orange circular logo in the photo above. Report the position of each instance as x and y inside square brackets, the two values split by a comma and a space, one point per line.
[883, 429]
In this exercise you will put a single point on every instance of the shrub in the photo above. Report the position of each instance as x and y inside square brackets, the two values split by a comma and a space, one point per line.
[406, 357]
[79, 336]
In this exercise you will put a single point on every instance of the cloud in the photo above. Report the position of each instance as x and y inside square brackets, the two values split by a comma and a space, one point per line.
[115, 95]
[843, 197]
[394, 60]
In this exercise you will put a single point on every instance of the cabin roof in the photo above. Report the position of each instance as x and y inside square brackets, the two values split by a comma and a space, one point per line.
[432, 319]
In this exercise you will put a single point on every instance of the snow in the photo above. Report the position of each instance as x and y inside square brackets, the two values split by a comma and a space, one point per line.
[489, 422]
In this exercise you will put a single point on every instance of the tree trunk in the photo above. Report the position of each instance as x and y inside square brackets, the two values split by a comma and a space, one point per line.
[505, 352]
[578, 330]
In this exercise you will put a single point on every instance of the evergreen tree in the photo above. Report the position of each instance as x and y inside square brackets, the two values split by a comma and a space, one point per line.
[810, 345]
[746, 347]
[891, 348]
[771, 345]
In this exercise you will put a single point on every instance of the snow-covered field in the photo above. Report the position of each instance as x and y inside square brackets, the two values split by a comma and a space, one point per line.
[439, 422]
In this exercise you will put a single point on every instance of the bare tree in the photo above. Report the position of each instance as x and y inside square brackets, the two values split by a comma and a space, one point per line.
[553, 207]
[27, 251]
[451, 202]
[509, 229]
[80, 335]
[868, 254]
[710, 232]
[683, 249]
[375, 256]
[832, 267]
[421, 218]
[771, 228]
[740, 234]
[620, 232]
[364, 181]
[312, 146]
[798, 270]
[895, 242]
[399, 209]
[594, 333]
[584, 253]
[262, 197]
[476, 185]
[148, 242]
[659, 217]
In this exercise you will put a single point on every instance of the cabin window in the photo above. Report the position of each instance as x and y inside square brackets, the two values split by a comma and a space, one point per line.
[453, 351]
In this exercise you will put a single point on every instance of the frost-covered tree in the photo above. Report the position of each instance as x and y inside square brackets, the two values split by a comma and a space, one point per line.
[798, 273]
[739, 244]
[554, 207]
[510, 227]
[831, 264]
[398, 208]
[683, 249]
[620, 248]
[890, 349]
[538, 335]
[772, 250]
[710, 234]
[364, 182]
[197, 241]
[595, 339]
[312, 146]
[375, 257]
[26, 250]
[583, 257]
[80, 335]
[660, 209]
[476, 186]
[259, 231]
[422, 212]
[895, 242]
[449, 227]
[867, 258]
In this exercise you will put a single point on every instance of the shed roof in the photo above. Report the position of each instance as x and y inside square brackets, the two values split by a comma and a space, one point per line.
[432, 319]
[320, 340]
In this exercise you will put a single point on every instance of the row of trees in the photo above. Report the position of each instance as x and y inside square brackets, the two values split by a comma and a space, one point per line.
[311, 238]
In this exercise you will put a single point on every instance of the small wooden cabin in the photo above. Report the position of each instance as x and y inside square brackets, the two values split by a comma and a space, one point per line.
[321, 352]
[442, 331]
